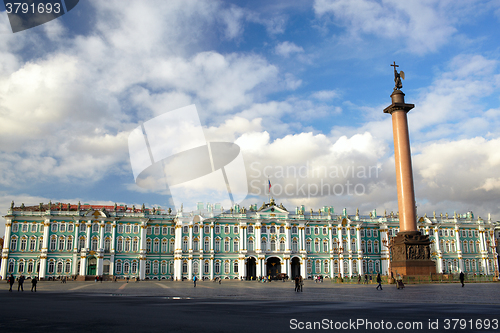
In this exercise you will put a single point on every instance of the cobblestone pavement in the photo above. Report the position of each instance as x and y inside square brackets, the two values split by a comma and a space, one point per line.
[245, 306]
[473, 293]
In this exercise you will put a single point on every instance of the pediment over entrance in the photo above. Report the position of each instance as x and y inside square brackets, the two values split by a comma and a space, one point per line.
[95, 214]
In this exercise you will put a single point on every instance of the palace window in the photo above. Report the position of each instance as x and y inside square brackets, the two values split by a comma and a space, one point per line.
[51, 267]
[217, 229]
[185, 244]
[11, 267]
[353, 245]
[206, 245]
[206, 268]
[272, 229]
[335, 267]
[163, 267]
[32, 244]
[120, 229]
[207, 229]
[15, 227]
[155, 267]
[195, 267]
[344, 231]
[263, 229]
[53, 244]
[235, 266]
[236, 245]
[309, 266]
[370, 266]
[118, 267]
[375, 233]
[282, 245]
[196, 229]
[156, 246]
[107, 245]
[81, 243]
[317, 268]
[61, 244]
[308, 245]
[94, 244]
[82, 227]
[195, 245]
[185, 229]
[134, 267]
[33, 227]
[226, 245]
[308, 231]
[263, 244]
[148, 245]
[20, 268]
[375, 246]
[368, 232]
[164, 231]
[217, 245]
[135, 245]
[95, 227]
[226, 267]
[126, 268]
[217, 268]
[172, 245]
[148, 231]
[136, 229]
[377, 267]
[62, 228]
[282, 230]
[250, 229]
[148, 267]
[30, 266]
[369, 246]
[54, 227]
[327, 267]
[250, 244]
[128, 229]
[295, 245]
[226, 229]
[334, 231]
[59, 267]
[107, 228]
[164, 246]
[294, 229]
[24, 242]
[316, 245]
[157, 230]
[325, 246]
[273, 245]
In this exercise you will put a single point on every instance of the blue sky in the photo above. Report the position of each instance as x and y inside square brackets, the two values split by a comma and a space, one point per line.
[293, 83]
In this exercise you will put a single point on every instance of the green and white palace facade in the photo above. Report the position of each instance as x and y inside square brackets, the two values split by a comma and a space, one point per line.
[57, 240]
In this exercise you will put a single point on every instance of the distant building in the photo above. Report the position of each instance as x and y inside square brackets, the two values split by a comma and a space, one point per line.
[73, 240]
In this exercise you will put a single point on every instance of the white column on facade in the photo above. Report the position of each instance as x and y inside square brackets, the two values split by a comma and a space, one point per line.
[349, 249]
[257, 268]
[83, 263]
[89, 229]
[212, 238]
[74, 268]
[484, 253]
[330, 239]
[100, 250]
[332, 273]
[211, 268]
[190, 241]
[439, 263]
[241, 267]
[385, 255]
[288, 230]
[459, 249]
[202, 241]
[43, 255]
[190, 268]
[303, 271]
[257, 231]
[6, 246]
[178, 251]
[142, 250]
[201, 268]
[241, 232]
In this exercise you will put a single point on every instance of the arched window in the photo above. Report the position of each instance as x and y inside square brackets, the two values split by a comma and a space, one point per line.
[20, 268]
[59, 267]
[272, 229]
[107, 245]
[51, 267]
[118, 267]
[33, 244]
[250, 244]
[67, 269]
[309, 266]
[156, 246]
[295, 245]
[128, 242]
[53, 242]
[375, 247]
[69, 244]
[236, 245]
[273, 245]
[282, 245]
[335, 267]
[61, 244]
[24, 243]
[94, 244]
[126, 268]
[369, 246]
[195, 267]
[353, 245]
[11, 266]
[196, 229]
[134, 267]
[294, 230]
[164, 267]
[206, 268]
[155, 266]
[148, 245]
[172, 245]
[354, 267]
[185, 244]
[235, 266]
[377, 267]
[227, 245]
[308, 245]
[164, 245]
[195, 245]
[148, 267]
[263, 244]
[325, 246]
[250, 229]
[227, 267]
[81, 244]
[317, 268]
[206, 244]
[316, 245]
[119, 245]
[217, 245]
[217, 267]
[184, 267]
[30, 266]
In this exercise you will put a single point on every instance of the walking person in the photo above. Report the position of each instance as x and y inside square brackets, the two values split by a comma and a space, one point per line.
[297, 286]
[462, 278]
[194, 281]
[379, 281]
[11, 281]
[301, 282]
[34, 281]
[20, 282]
[366, 278]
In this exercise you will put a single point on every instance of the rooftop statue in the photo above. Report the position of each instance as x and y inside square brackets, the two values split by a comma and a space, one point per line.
[398, 77]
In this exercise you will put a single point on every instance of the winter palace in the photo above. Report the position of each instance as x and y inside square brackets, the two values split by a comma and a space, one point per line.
[55, 240]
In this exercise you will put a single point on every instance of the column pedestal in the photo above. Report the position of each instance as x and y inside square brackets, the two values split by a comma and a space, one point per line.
[411, 254]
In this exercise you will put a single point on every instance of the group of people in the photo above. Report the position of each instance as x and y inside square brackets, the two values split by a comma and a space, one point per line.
[20, 282]
[299, 283]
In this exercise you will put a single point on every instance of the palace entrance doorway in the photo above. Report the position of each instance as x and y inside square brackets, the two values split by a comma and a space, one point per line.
[295, 267]
[273, 267]
[251, 268]
[92, 266]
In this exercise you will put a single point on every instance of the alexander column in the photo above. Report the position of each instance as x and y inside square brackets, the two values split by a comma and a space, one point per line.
[410, 249]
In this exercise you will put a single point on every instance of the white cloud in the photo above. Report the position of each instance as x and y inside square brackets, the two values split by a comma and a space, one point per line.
[286, 48]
